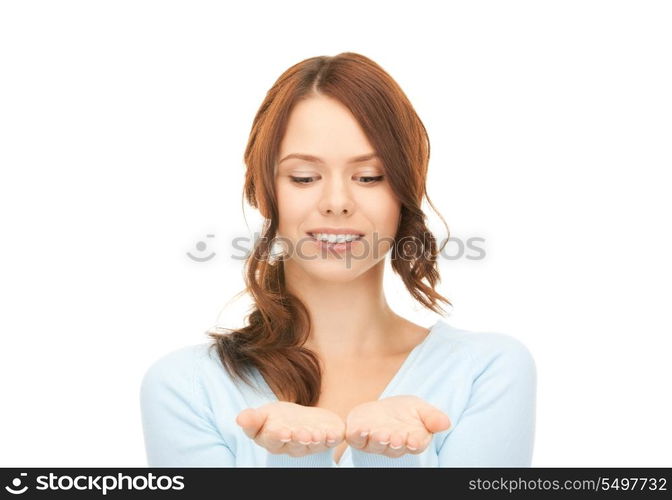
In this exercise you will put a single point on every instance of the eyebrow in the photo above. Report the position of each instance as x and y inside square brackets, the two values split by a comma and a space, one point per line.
[316, 159]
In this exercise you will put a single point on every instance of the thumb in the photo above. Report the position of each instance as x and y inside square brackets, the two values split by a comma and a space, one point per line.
[251, 420]
[434, 419]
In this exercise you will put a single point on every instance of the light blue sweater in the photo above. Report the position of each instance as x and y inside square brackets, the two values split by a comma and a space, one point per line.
[485, 383]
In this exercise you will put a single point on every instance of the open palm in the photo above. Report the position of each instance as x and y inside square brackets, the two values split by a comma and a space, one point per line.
[288, 428]
[394, 426]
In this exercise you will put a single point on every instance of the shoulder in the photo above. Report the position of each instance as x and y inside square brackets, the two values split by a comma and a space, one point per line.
[192, 371]
[173, 371]
[484, 350]
[176, 363]
[184, 368]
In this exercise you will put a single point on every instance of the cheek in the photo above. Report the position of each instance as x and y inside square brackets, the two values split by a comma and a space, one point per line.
[383, 212]
[291, 208]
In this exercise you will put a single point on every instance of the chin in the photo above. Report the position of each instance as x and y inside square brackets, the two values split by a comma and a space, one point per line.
[336, 271]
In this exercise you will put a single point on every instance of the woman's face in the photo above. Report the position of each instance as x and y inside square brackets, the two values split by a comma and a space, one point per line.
[336, 188]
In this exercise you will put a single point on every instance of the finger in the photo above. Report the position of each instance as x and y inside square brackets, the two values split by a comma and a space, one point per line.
[397, 446]
[398, 440]
[358, 438]
[297, 447]
[378, 442]
[317, 442]
[302, 436]
[395, 453]
[251, 420]
[274, 439]
[434, 419]
[274, 445]
[333, 438]
[417, 441]
[318, 439]
[246, 417]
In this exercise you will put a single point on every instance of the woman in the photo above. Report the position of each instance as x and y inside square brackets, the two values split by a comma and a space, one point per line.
[325, 373]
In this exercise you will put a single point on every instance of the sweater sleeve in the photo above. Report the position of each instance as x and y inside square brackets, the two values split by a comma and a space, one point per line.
[176, 426]
[497, 426]
[364, 459]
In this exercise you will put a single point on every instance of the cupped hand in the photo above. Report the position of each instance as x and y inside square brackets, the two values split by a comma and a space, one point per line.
[394, 426]
[288, 428]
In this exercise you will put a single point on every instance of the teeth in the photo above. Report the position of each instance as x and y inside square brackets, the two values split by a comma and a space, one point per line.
[336, 238]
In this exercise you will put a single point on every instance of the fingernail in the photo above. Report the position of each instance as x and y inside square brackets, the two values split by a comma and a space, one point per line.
[331, 441]
[364, 434]
[412, 448]
[396, 447]
[384, 443]
[304, 442]
[286, 440]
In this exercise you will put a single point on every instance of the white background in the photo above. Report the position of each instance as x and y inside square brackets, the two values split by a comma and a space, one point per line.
[122, 129]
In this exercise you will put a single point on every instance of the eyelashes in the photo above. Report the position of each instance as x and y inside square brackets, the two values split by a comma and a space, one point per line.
[307, 180]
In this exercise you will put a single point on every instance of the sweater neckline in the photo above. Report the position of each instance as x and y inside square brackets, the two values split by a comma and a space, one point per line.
[408, 362]
[405, 365]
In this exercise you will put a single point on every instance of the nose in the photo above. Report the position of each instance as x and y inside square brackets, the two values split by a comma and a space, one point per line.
[336, 198]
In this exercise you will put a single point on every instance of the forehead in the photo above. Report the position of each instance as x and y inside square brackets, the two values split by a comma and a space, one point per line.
[324, 127]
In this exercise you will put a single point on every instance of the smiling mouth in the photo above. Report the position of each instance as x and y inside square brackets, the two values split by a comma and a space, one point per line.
[359, 237]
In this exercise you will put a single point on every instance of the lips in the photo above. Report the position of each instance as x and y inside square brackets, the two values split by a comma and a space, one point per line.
[336, 242]
[335, 230]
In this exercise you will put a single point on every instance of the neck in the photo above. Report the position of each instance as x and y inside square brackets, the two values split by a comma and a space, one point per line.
[348, 318]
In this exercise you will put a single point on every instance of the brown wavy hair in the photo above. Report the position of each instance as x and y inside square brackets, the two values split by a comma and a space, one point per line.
[279, 323]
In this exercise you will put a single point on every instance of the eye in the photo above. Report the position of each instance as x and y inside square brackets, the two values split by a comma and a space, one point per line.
[308, 180]
[300, 180]
[375, 179]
